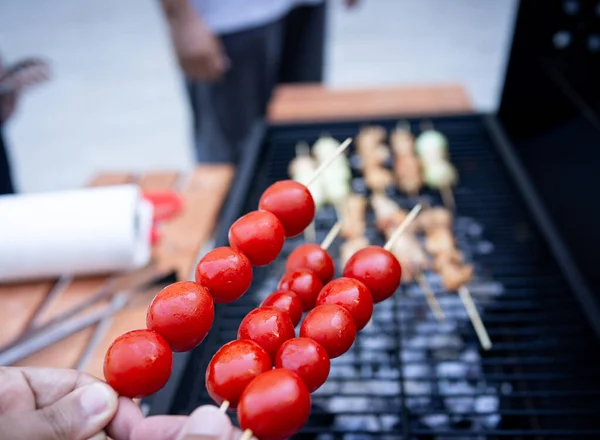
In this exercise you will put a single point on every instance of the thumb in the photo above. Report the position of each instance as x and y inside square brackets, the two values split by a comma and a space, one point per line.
[206, 423]
[81, 414]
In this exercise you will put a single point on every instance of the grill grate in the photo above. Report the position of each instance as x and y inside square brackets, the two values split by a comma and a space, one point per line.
[408, 376]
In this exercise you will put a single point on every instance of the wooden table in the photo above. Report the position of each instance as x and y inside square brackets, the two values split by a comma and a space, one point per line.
[24, 306]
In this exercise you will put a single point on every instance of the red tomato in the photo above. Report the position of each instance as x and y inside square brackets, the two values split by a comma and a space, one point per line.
[352, 295]
[292, 203]
[307, 358]
[182, 313]
[378, 269]
[275, 405]
[268, 327]
[312, 257]
[331, 326]
[259, 235]
[226, 273]
[304, 283]
[138, 363]
[232, 368]
[286, 301]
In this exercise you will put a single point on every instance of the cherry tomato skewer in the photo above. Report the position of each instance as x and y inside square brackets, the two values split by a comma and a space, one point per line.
[304, 283]
[332, 326]
[352, 295]
[226, 273]
[286, 301]
[314, 257]
[259, 235]
[307, 358]
[269, 327]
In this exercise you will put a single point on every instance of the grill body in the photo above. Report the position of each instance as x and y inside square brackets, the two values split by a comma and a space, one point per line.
[408, 377]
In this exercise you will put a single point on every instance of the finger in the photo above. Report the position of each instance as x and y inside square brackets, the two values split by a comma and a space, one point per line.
[81, 414]
[158, 427]
[51, 384]
[128, 416]
[207, 423]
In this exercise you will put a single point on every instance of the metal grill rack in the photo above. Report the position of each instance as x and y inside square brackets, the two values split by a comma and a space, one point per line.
[408, 377]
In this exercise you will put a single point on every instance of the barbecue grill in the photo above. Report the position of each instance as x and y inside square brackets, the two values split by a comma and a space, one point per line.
[408, 376]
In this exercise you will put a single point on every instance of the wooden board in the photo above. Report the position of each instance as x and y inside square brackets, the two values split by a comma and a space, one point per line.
[316, 103]
[28, 304]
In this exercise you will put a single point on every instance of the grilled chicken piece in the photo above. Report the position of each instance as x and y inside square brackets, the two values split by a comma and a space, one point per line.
[434, 218]
[369, 138]
[411, 255]
[439, 240]
[456, 275]
[375, 156]
[408, 174]
[378, 178]
[403, 142]
[350, 247]
[448, 257]
[353, 216]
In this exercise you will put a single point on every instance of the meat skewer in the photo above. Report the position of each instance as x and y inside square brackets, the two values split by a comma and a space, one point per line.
[455, 274]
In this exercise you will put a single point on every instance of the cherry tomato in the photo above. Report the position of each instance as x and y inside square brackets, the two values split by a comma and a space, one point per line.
[292, 203]
[331, 326]
[268, 327]
[259, 235]
[352, 295]
[304, 283]
[275, 405]
[286, 301]
[138, 363]
[307, 358]
[182, 313]
[377, 269]
[312, 257]
[226, 273]
[232, 368]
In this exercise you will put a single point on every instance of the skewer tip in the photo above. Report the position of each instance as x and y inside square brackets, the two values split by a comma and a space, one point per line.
[247, 434]
[224, 406]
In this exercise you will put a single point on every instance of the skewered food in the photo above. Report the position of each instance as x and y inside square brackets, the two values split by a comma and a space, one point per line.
[433, 218]
[431, 145]
[232, 368]
[403, 142]
[301, 169]
[269, 327]
[352, 295]
[369, 138]
[408, 174]
[182, 313]
[304, 283]
[440, 174]
[307, 358]
[456, 275]
[439, 240]
[313, 257]
[259, 235]
[332, 326]
[226, 273]
[411, 256]
[378, 178]
[275, 405]
[323, 149]
[353, 216]
[286, 301]
[447, 257]
[138, 363]
[377, 269]
[292, 203]
[375, 156]
[388, 215]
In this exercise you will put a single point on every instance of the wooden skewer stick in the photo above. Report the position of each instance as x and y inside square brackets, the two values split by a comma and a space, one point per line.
[475, 318]
[328, 162]
[310, 233]
[433, 303]
[224, 406]
[400, 229]
[247, 434]
[330, 237]
[448, 197]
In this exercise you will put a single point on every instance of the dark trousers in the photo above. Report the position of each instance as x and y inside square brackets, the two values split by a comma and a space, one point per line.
[6, 185]
[286, 51]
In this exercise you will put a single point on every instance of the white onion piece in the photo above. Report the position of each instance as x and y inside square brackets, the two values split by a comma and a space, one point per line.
[431, 145]
[439, 174]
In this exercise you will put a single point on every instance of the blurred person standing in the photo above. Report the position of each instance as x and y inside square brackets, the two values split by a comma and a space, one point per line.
[13, 81]
[233, 53]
